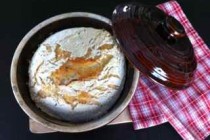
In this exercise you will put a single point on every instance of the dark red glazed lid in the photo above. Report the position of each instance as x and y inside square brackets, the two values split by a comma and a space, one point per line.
[155, 43]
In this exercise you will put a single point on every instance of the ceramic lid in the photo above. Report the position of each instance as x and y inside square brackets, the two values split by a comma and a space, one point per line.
[155, 43]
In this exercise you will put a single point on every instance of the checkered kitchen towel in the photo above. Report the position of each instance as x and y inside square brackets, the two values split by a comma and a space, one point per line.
[188, 111]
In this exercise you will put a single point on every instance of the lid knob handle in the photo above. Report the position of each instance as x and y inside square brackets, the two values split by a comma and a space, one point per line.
[174, 28]
[170, 30]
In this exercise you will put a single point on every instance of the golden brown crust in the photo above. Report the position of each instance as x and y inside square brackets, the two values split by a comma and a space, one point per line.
[79, 69]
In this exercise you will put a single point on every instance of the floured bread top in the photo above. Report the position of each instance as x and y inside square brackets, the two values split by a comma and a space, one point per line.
[76, 69]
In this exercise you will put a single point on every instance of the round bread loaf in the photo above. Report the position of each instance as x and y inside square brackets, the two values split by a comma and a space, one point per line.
[77, 74]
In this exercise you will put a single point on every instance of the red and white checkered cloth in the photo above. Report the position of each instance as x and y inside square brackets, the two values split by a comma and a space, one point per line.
[188, 111]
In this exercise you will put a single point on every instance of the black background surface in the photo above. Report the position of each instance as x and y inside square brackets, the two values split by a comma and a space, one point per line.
[17, 17]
